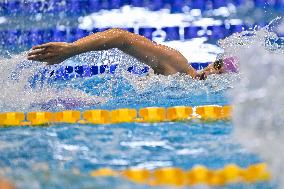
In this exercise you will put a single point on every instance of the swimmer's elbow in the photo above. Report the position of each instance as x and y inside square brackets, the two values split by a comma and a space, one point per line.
[119, 37]
[118, 33]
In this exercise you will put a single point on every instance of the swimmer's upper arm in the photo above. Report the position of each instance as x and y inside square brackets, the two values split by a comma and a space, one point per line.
[161, 58]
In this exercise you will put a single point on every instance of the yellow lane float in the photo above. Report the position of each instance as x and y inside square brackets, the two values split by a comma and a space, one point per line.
[68, 116]
[136, 175]
[12, 118]
[97, 116]
[179, 113]
[210, 113]
[125, 115]
[153, 114]
[40, 118]
[172, 176]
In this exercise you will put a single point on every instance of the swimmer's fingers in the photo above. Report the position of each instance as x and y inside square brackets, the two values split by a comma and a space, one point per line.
[36, 52]
[40, 49]
[43, 46]
[41, 57]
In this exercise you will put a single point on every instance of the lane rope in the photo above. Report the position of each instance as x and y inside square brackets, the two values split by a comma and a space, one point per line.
[173, 176]
[124, 115]
[86, 7]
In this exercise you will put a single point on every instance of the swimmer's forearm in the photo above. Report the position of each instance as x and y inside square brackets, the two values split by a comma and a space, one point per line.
[56, 52]
[113, 38]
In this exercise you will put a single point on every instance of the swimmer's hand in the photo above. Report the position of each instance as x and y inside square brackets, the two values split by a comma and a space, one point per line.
[52, 53]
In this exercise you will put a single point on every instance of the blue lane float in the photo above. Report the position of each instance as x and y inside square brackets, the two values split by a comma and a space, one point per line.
[218, 31]
[79, 7]
[88, 6]
[82, 71]
[191, 32]
[69, 72]
[28, 38]
[85, 71]
[200, 66]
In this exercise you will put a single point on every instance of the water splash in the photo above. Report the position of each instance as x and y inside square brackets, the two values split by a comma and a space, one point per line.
[182, 83]
[258, 98]
[262, 37]
[18, 95]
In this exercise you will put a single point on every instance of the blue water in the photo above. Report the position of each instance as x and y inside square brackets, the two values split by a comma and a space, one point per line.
[62, 156]
[42, 155]
[62, 149]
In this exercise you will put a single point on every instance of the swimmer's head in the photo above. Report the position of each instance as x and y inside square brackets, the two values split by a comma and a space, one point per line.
[226, 65]
[217, 67]
[231, 64]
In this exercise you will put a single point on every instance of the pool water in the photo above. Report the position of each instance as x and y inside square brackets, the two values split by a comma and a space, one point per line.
[42, 155]
[75, 150]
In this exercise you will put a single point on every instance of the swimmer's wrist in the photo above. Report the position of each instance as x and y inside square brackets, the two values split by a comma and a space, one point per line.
[74, 49]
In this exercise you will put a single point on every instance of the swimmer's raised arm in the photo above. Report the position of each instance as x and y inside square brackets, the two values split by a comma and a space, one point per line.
[162, 59]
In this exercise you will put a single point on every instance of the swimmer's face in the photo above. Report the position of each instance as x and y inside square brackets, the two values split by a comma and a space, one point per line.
[216, 67]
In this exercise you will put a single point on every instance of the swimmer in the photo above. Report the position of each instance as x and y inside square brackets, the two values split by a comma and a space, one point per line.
[162, 59]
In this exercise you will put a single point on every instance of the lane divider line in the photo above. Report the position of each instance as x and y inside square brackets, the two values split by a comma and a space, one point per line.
[172, 176]
[124, 115]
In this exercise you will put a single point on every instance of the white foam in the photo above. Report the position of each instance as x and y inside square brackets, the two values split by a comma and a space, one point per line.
[3, 20]
[258, 98]
[17, 95]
